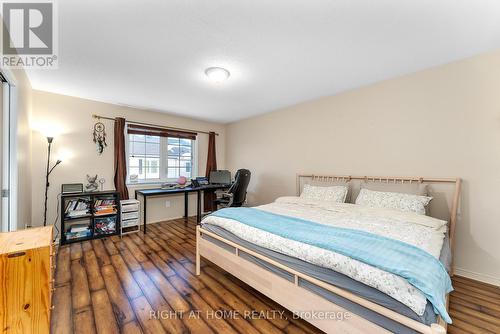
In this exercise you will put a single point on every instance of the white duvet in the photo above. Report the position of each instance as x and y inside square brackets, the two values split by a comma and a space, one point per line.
[421, 231]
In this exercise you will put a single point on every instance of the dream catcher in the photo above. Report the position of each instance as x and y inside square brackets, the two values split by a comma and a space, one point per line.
[100, 137]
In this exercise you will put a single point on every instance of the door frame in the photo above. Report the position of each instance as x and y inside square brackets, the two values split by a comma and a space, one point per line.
[9, 151]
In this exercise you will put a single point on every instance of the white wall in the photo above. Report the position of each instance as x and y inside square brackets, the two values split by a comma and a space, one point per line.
[73, 118]
[22, 94]
[23, 100]
[24, 113]
[441, 122]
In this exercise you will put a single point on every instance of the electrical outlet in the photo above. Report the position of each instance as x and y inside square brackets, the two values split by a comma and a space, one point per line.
[167, 204]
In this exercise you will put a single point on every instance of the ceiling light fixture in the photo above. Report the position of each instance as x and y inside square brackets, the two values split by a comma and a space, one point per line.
[217, 74]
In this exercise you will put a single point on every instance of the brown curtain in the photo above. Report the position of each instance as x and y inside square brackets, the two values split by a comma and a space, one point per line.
[120, 159]
[162, 132]
[209, 196]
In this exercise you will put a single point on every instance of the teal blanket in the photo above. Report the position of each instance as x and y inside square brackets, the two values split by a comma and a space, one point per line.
[418, 267]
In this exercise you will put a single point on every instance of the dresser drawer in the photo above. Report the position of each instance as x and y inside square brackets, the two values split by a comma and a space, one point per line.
[130, 215]
[130, 207]
[130, 222]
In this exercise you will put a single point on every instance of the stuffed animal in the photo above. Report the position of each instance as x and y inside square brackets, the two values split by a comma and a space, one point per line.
[91, 183]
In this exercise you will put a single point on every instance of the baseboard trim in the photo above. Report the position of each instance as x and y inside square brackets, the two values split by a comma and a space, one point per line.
[166, 220]
[477, 276]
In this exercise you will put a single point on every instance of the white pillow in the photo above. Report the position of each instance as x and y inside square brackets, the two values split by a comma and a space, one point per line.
[336, 194]
[396, 201]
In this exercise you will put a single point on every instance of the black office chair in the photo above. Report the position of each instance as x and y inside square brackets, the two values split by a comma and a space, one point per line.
[237, 194]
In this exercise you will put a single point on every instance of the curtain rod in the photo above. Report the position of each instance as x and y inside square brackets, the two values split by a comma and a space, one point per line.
[155, 125]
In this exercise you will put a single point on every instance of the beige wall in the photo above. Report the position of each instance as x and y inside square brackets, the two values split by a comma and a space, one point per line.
[72, 117]
[441, 122]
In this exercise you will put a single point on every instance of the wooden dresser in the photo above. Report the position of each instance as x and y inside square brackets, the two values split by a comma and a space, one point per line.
[26, 268]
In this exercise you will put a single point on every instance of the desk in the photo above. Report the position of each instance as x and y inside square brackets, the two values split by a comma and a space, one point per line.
[186, 190]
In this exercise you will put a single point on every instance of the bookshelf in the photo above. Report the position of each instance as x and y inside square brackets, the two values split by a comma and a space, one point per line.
[89, 215]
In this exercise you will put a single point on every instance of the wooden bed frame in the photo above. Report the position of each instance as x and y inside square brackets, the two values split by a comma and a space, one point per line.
[298, 299]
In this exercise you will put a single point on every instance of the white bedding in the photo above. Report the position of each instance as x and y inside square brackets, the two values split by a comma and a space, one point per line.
[421, 231]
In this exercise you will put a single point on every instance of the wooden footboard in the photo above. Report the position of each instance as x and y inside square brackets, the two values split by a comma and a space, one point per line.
[296, 298]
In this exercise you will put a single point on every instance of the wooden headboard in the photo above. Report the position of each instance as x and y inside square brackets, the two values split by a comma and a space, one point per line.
[445, 192]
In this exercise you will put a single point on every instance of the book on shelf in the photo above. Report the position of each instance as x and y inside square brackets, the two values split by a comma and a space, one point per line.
[78, 235]
[77, 213]
[105, 206]
[105, 202]
[104, 210]
[105, 225]
[79, 228]
[105, 213]
[78, 231]
[77, 207]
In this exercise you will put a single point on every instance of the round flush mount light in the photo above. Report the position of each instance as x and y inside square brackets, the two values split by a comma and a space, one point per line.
[217, 74]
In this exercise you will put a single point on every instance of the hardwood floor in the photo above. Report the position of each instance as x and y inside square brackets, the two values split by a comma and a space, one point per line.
[474, 307]
[112, 285]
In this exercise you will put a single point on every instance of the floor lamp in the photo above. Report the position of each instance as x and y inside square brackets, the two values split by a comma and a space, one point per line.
[49, 171]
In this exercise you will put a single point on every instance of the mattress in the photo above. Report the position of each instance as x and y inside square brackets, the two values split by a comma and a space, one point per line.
[335, 278]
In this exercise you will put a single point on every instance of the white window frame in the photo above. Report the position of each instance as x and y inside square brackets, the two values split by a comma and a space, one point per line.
[163, 166]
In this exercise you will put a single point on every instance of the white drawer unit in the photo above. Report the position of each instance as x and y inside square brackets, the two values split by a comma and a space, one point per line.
[129, 216]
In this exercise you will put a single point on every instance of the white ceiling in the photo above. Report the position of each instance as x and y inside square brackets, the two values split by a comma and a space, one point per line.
[152, 53]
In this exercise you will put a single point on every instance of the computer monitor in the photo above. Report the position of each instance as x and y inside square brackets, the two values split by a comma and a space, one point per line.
[220, 177]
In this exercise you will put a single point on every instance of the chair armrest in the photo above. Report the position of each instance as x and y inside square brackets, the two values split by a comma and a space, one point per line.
[231, 198]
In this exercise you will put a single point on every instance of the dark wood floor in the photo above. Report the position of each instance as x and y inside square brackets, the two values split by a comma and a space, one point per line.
[112, 285]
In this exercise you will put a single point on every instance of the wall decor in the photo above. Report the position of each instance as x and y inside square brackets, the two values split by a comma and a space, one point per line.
[100, 137]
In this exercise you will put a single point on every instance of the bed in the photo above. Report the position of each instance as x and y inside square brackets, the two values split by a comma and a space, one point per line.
[323, 285]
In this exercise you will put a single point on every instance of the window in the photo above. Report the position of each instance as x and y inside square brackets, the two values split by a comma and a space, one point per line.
[180, 157]
[159, 156]
[144, 157]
